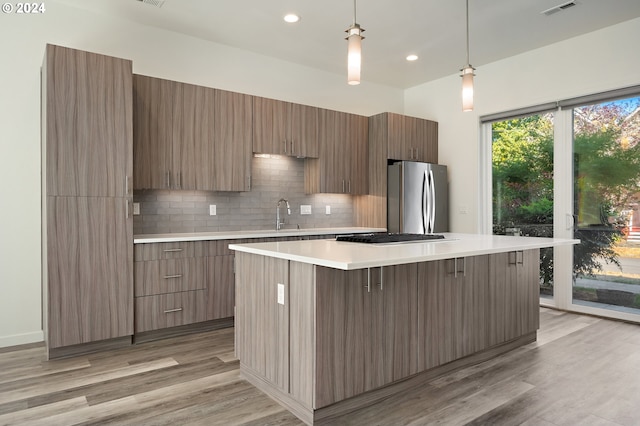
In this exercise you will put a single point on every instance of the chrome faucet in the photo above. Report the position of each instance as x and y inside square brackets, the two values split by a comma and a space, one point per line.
[280, 222]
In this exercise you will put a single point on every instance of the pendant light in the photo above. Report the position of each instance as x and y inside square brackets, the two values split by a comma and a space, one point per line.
[354, 50]
[467, 76]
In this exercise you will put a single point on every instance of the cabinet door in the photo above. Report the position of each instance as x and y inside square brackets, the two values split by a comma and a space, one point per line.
[357, 153]
[270, 124]
[89, 130]
[89, 270]
[221, 287]
[304, 122]
[513, 296]
[398, 291]
[343, 334]
[153, 132]
[232, 141]
[193, 122]
[452, 316]
[424, 137]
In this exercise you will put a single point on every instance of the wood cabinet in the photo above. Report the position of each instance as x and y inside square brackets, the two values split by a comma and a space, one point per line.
[170, 284]
[285, 128]
[262, 338]
[87, 123]
[453, 300]
[408, 138]
[87, 229]
[366, 335]
[190, 137]
[513, 295]
[342, 166]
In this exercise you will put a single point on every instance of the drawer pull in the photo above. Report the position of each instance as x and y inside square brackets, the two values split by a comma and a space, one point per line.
[168, 277]
[172, 250]
[168, 311]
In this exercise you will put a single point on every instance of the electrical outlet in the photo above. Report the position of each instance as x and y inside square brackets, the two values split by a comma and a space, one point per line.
[463, 209]
[305, 209]
[327, 210]
[212, 209]
[281, 294]
[136, 208]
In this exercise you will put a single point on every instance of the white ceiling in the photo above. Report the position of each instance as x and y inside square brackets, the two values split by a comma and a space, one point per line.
[432, 29]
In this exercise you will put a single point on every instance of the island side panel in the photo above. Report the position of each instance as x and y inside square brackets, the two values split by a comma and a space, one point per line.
[302, 314]
[262, 324]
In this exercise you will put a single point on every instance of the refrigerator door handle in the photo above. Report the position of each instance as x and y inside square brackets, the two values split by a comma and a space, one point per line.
[425, 189]
[427, 202]
[433, 202]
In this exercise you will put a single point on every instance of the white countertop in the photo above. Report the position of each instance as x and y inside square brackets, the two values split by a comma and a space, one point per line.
[347, 256]
[234, 235]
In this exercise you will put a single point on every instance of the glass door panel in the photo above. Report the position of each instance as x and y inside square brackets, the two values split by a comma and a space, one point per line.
[522, 175]
[606, 147]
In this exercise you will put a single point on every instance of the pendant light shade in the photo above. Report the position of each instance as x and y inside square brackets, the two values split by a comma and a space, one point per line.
[354, 50]
[467, 88]
[467, 76]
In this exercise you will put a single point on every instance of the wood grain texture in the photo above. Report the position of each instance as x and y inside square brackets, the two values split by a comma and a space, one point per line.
[89, 130]
[232, 141]
[262, 323]
[304, 133]
[221, 285]
[173, 250]
[343, 157]
[170, 310]
[270, 125]
[89, 270]
[193, 138]
[513, 294]
[302, 331]
[563, 378]
[153, 131]
[169, 276]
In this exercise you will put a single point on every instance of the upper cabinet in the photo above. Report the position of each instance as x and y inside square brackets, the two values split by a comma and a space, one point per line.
[190, 137]
[87, 112]
[343, 160]
[408, 138]
[285, 128]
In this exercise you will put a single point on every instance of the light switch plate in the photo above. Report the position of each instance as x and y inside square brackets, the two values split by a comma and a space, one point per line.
[327, 210]
[136, 208]
[305, 209]
[281, 294]
[212, 209]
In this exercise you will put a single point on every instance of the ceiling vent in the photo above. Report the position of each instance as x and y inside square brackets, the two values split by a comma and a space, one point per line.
[558, 8]
[156, 3]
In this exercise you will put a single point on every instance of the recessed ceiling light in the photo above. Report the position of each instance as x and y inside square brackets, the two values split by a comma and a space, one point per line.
[291, 18]
[412, 58]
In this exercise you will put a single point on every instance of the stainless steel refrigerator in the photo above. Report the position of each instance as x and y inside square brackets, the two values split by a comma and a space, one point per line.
[417, 198]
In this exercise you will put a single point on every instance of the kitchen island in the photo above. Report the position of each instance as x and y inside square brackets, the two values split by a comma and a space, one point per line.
[325, 327]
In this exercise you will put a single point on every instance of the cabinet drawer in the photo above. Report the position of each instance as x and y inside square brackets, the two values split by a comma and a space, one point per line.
[177, 250]
[170, 310]
[169, 276]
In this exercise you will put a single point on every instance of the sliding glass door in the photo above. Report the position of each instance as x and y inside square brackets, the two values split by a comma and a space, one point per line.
[572, 173]
[606, 186]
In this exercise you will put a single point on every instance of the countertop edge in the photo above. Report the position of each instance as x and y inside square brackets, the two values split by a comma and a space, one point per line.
[515, 244]
[235, 235]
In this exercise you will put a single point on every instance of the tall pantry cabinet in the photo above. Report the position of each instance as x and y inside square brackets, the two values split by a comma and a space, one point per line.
[87, 232]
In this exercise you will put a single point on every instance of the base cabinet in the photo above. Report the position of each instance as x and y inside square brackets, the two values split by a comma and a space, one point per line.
[333, 340]
[452, 313]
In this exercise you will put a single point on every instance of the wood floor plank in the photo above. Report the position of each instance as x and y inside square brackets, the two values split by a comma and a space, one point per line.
[582, 370]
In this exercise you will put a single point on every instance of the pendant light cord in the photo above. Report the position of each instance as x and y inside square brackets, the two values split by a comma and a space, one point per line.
[467, 32]
[354, 12]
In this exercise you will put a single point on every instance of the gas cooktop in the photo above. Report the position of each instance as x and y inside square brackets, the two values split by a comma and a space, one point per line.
[385, 237]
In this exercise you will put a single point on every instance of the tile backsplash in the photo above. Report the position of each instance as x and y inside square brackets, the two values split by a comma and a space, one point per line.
[170, 211]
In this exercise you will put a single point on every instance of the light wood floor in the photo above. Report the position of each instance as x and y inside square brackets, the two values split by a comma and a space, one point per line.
[581, 371]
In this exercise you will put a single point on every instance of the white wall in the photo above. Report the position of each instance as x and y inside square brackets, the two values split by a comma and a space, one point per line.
[154, 52]
[600, 61]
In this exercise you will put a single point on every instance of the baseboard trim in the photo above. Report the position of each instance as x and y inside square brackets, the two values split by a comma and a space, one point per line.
[21, 339]
[181, 330]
